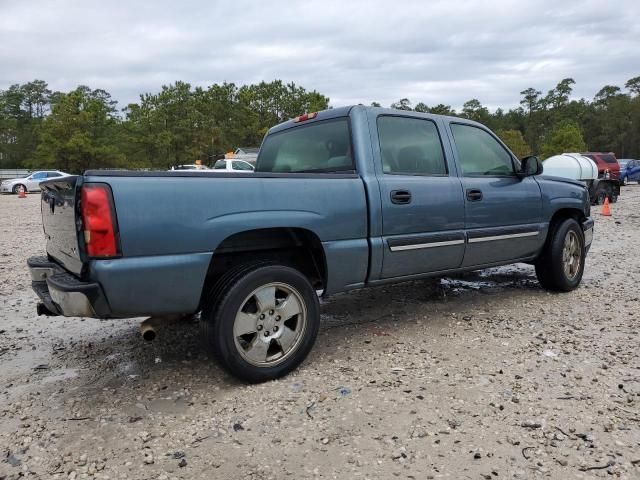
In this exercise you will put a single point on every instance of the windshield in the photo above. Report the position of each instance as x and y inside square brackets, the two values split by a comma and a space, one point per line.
[319, 147]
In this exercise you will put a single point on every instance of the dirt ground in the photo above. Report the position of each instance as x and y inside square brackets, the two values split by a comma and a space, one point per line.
[476, 377]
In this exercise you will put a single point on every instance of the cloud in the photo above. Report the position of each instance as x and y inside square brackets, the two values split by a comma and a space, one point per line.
[354, 52]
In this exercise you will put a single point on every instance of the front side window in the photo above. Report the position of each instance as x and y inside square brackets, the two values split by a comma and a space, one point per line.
[410, 146]
[39, 176]
[220, 165]
[479, 153]
[321, 147]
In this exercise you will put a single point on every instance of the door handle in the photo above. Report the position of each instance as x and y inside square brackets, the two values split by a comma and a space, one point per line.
[401, 197]
[474, 195]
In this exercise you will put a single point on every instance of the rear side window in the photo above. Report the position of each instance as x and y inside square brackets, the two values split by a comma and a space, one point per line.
[220, 165]
[238, 165]
[410, 146]
[316, 148]
[479, 153]
[53, 174]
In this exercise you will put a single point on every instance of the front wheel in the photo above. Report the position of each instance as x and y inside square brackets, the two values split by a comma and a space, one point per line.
[561, 265]
[623, 181]
[261, 321]
[16, 188]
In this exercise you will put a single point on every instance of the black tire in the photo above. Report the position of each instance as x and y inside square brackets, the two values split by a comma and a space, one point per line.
[623, 181]
[550, 266]
[233, 292]
[16, 188]
[604, 191]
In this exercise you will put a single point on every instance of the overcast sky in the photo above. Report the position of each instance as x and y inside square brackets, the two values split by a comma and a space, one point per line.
[352, 51]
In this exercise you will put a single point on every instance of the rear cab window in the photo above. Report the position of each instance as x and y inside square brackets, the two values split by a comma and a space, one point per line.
[319, 147]
[479, 153]
[608, 158]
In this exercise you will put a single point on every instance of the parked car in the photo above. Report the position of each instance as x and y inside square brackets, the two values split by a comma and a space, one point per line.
[606, 162]
[233, 165]
[190, 167]
[248, 154]
[31, 182]
[629, 170]
[341, 199]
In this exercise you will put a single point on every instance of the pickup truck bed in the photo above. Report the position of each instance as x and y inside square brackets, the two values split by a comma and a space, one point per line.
[342, 199]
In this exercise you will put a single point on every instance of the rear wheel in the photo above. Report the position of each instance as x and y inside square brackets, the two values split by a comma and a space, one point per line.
[261, 321]
[623, 181]
[561, 265]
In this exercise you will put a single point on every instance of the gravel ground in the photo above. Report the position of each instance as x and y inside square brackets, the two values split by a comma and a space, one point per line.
[481, 376]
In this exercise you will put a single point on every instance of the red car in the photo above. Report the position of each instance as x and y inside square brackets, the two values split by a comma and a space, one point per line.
[605, 161]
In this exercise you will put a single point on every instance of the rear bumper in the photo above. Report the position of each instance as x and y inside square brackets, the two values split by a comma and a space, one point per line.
[63, 294]
[587, 228]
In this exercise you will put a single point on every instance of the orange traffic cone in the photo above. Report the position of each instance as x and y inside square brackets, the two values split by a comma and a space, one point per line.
[606, 211]
[22, 193]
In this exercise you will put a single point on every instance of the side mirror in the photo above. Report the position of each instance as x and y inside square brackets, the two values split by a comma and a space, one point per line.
[531, 165]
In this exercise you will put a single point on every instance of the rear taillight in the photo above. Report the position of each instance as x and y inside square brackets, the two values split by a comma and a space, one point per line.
[99, 221]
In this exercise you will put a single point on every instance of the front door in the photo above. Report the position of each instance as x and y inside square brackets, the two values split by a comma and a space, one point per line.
[422, 205]
[503, 212]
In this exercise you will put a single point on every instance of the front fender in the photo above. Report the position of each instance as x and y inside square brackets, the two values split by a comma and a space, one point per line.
[561, 195]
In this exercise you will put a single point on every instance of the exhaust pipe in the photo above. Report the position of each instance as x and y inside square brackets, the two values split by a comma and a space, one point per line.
[147, 331]
[148, 326]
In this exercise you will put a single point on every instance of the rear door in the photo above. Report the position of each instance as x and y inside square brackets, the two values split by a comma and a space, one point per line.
[503, 213]
[422, 205]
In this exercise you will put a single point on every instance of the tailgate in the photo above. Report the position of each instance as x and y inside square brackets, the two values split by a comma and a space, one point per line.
[58, 207]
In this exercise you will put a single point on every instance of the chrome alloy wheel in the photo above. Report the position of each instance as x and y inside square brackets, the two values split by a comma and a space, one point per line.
[270, 324]
[571, 255]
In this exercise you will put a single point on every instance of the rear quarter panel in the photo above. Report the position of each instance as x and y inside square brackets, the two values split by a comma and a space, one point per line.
[171, 225]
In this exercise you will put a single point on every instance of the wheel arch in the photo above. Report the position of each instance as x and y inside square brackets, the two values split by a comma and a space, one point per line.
[297, 247]
[558, 216]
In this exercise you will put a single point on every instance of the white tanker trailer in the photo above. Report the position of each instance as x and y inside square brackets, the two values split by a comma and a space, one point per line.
[581, 168]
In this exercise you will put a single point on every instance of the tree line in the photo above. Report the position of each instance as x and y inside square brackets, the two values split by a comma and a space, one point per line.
[552, 123]
[83, 128]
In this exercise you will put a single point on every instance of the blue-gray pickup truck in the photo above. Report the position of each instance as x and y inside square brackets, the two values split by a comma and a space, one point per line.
[341, 199]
